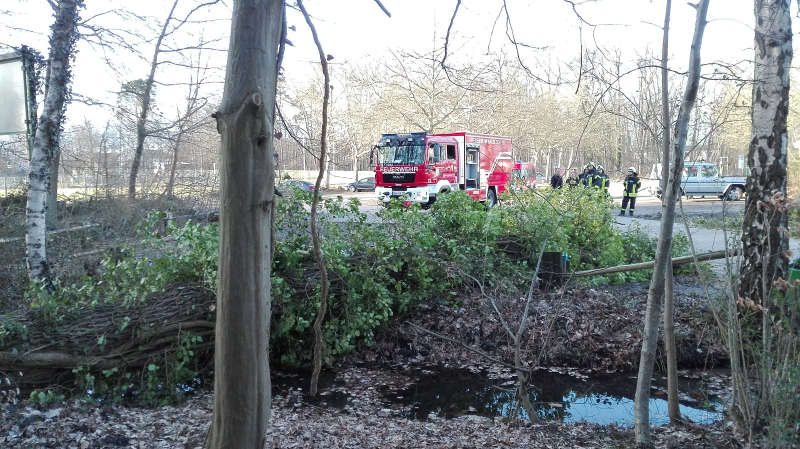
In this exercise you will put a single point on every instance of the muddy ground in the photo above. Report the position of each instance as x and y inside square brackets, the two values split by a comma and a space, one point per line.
[594, 329]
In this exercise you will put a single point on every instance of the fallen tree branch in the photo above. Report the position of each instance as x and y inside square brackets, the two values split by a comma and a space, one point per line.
[57, 231]
[469, 348]
[714, 255]
[51, 360]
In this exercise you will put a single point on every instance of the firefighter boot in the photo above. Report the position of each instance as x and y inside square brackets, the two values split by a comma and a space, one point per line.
[622, 213]
[630, 213]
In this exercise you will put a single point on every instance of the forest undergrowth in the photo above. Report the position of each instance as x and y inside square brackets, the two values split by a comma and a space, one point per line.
[381, 270]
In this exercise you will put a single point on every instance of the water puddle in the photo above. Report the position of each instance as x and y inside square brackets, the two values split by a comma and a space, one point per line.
[290, 389]
[601, 399]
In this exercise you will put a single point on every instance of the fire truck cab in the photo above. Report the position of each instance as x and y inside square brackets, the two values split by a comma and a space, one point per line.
[421, 166]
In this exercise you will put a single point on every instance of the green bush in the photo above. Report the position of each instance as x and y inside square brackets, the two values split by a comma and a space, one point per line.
[377, 269]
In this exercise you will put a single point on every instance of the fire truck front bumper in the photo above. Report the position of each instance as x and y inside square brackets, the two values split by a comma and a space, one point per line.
[413, 194]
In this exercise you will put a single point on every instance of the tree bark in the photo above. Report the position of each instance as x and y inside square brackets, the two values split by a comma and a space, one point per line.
[762, 241]
[52, 189]
[141, 122]
[323, 162]
[670, 350]
[174, 164]
[241, 374]
[656, 291]
[669, 327]
[62, 42]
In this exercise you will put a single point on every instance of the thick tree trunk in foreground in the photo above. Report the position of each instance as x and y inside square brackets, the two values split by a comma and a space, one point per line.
[241, 364]
[141, 122]
[762, 241]
[62, 41]
[669, 303]
[663, 251]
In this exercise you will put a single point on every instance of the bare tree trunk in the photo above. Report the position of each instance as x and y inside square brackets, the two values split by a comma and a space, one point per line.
[669, 326]
[767, 155]
[327, 168]
[355, 164]
[62, 42]
[670, 349]
[174, 164]
[141, 122]
[323, 160]
[656, 291]
[52, 188]
[105, 160]
[241, 364]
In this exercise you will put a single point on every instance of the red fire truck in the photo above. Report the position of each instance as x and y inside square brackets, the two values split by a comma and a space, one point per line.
[420, 166]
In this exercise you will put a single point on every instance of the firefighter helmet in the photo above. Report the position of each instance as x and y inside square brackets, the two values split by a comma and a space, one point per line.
[631, 170]
[600, 168]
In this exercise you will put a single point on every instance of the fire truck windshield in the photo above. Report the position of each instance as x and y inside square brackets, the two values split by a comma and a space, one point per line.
[401, 155]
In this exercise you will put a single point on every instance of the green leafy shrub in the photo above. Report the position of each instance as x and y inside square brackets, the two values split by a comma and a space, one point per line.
[188, 255]
[45, 398]
[377, 269]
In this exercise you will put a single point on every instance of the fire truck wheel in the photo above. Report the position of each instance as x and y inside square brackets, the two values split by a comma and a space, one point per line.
[491, 199]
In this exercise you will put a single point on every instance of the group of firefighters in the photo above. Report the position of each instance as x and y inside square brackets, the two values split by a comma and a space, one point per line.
[595, 176]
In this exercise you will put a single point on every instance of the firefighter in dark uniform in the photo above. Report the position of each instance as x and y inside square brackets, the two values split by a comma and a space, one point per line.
[630, 187]
[601, 180]
[587, 177]
[556, 181]
[572, 179]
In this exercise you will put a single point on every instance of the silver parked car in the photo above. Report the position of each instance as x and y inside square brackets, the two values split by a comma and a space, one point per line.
[703, 179]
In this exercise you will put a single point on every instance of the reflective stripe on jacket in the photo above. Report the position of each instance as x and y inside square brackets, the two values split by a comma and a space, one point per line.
[631, 186]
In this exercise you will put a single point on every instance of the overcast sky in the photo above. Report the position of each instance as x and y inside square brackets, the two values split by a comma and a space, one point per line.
[358, 32]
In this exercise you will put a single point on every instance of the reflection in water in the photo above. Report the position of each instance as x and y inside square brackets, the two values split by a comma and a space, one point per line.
[602, 400]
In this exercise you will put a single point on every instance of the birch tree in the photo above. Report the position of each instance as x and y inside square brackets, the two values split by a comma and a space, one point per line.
[245, 121]
[663, 250]
[45, 143]
[764, 246]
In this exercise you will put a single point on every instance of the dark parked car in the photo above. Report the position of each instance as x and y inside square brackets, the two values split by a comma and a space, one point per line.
[288, 186]
[362, 185]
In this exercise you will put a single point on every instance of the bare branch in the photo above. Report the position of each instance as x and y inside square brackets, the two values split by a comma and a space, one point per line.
[386, 11]
[449, 29]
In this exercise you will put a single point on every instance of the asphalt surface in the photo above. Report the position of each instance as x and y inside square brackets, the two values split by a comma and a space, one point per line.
[650, 207]
[647, 207]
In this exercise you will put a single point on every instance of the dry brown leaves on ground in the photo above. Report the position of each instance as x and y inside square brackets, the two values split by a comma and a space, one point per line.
[364, 422]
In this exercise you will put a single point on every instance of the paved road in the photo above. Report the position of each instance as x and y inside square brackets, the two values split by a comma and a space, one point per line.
[705, 240]
[646, 206]
[650, 207]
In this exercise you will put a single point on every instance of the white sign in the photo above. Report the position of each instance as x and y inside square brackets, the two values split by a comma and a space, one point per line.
[740, 163]
[12, 93]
